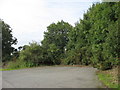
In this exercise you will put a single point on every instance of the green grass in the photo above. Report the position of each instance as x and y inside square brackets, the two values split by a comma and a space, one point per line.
[8, 69]
[107, 80]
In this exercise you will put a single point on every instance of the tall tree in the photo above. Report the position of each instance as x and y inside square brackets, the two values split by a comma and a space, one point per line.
[94, 40]
[7, 41]
[56, 39]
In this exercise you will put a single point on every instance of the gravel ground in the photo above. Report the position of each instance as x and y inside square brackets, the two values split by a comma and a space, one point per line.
[51, 77]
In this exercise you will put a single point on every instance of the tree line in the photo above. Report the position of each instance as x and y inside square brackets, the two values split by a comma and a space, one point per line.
[92, 41]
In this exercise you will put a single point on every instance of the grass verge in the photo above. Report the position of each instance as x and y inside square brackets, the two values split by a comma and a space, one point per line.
[109, 78]
[8, 69]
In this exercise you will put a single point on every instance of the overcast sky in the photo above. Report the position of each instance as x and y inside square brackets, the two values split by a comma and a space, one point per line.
[29, 18]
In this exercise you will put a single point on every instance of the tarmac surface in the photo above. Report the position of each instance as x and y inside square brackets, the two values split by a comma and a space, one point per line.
[51, 77]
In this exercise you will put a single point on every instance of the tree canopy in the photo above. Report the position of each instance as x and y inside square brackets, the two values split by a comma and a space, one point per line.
[7, 41]
[56, 39]
[95, 38]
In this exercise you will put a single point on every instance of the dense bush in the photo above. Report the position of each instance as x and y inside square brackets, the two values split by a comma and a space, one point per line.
[31, 55]
[96, 36]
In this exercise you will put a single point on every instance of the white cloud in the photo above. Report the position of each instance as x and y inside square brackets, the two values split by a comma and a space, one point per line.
[29, 18]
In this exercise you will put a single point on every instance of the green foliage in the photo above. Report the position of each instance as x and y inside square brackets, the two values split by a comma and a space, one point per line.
[31, 55]
[55, 41]
[94, 40]
[7, 41]
[96, 37]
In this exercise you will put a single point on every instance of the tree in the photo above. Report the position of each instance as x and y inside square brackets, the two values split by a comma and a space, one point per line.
[56, 39]
[7, 41]
[94, 40]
